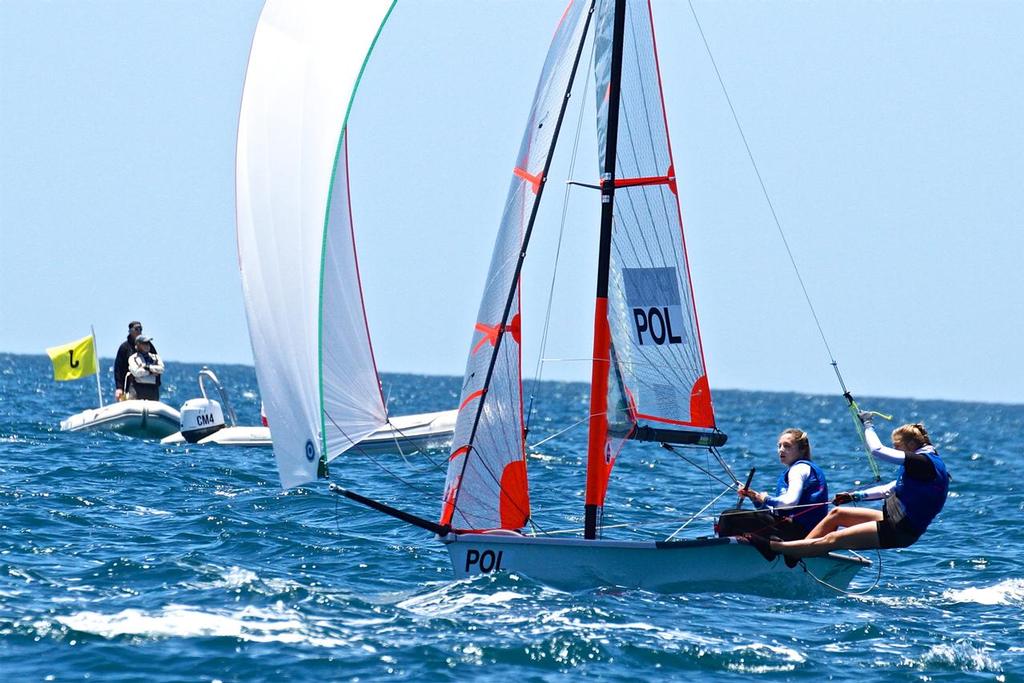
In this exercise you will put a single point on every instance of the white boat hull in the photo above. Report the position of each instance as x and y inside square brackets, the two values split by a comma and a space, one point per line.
[151, 419]
[691, 565]
[229, 436]
[424, 431]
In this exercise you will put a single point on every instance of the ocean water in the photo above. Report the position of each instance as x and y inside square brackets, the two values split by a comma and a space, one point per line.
[124, 560]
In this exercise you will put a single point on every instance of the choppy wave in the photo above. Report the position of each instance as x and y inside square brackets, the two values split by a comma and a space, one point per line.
[126, 560]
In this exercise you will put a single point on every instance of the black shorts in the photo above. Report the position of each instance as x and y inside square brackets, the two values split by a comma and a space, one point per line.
[761, 522]
[895, 534]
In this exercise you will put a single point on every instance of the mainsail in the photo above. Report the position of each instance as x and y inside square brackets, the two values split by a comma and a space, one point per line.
[296, 246]
[486, 486]
[657, 382]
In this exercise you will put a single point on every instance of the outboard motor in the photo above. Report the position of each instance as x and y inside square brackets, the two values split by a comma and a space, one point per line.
[201, 417]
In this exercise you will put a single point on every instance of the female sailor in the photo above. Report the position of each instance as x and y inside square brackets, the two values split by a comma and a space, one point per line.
[912, 500]
[801, 492]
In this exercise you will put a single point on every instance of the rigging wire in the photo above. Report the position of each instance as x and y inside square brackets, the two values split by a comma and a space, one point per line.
[764, 188]
[728, 489]
[789, 252]
[878, 577]
[558, 249]
[672, 449]
[559, 433]
[364, 452]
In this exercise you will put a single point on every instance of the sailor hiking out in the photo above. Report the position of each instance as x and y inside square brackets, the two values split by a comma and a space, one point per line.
[912, 500]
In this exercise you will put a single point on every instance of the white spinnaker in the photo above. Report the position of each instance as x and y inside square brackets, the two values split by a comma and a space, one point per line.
[319, 386]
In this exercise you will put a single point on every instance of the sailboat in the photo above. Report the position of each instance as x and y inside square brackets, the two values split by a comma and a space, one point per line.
[296, 244]
[649, 381]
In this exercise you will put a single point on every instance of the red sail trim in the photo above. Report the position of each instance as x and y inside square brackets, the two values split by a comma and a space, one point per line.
[565, 13]
[514, 504]
[701, 411]
[475, 394]
[597, 470]
[491, 332]
[462, 450]
[448, 505]
[610, 459]
[709, 417]
[534, 180]
[669, 179]
[665, 420]
[359, 281]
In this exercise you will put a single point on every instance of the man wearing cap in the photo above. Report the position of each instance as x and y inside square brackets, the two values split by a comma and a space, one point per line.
[124, 352]
[146, 368]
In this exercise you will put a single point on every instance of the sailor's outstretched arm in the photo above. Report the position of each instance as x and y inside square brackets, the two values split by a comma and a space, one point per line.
[879, 451]
[875, 492]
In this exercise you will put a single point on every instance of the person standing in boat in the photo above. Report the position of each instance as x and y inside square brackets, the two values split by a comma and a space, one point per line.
[124, 352]
[912, 500]
[146, 367]
[800, 500]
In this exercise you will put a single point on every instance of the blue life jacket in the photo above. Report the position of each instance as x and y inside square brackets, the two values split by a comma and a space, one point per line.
[815, 491]
[922, 500]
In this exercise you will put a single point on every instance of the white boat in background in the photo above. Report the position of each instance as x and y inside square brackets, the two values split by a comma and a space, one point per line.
[149, 419]
[296, 243]
[203, 422]
[649, 381]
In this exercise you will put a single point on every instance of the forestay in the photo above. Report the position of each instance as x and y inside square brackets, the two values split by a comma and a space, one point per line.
[296, 246]
[486, 486]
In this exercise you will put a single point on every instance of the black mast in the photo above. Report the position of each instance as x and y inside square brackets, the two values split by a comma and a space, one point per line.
[599, 397]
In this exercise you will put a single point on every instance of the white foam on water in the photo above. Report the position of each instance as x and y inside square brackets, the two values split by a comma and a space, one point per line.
[233, 578]
[253, 624]
[439, 603]
[960, 655]
[1006, 592]
[758, 658]
[142, 510]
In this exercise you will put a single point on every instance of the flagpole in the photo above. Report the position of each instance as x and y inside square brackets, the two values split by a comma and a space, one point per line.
[96, 361]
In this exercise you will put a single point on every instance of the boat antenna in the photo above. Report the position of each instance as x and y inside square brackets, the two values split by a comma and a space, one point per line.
[851, 403]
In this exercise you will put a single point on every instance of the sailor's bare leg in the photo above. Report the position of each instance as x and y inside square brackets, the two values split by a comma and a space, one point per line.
[840, 517]
[857, 537]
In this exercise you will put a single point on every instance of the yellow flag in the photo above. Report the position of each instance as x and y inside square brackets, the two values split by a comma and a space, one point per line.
[74, 360]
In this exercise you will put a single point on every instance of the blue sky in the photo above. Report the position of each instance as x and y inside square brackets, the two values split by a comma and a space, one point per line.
[888, 135]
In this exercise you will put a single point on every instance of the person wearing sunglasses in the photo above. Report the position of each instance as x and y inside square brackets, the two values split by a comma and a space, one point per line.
[124, 352]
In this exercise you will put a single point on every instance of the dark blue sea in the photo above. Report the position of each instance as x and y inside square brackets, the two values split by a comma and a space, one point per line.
[125, 560]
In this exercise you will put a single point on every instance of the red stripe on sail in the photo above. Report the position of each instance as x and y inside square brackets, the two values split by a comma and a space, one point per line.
[534, 180]
[491, 332]
[475, 394]
[639, 182]
[448, 506]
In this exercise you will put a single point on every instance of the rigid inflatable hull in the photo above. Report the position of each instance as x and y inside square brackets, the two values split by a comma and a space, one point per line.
[148, 419]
